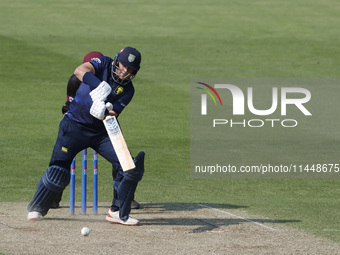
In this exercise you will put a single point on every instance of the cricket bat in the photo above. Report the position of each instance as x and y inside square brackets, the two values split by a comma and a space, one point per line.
[119, 144]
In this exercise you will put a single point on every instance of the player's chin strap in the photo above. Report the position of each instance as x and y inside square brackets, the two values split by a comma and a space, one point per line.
[125, 186]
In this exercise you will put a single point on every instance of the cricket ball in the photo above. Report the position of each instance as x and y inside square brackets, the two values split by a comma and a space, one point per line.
[85, 231]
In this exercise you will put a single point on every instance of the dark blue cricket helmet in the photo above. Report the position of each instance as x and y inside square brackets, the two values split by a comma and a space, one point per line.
[129, 57]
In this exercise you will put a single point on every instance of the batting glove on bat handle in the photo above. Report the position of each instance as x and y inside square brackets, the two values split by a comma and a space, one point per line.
[101, 92]
[98, 109]
[109, 106]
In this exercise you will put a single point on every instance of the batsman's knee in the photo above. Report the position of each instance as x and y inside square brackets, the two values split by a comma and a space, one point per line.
[134, 176]
[56, 178]
[137, 174]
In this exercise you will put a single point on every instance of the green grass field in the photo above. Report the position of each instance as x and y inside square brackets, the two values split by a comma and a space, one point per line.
[43, 41]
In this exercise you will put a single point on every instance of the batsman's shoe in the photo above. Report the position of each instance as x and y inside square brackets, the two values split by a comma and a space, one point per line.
[135, 204]
[114, 218]
[34, 216]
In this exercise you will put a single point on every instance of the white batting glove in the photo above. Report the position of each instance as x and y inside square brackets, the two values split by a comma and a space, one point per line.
[109, 106]
[98, 109]
[101, 92]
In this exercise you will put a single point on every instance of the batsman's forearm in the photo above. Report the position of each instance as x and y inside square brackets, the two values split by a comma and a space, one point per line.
[82, 70]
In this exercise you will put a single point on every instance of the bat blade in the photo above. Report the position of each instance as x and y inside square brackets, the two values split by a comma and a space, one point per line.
[118, 143]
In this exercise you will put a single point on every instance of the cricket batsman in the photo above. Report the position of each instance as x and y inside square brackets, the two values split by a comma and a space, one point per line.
[72, 87]
[104, 81]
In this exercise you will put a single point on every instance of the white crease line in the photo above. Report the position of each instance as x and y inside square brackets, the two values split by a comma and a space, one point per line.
[238, 217]
[5, 225]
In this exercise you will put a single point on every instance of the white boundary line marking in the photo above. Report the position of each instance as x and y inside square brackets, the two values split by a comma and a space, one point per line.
[234, 215]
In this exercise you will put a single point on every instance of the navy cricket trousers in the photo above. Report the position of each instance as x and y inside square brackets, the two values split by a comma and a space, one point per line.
[73, 137]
